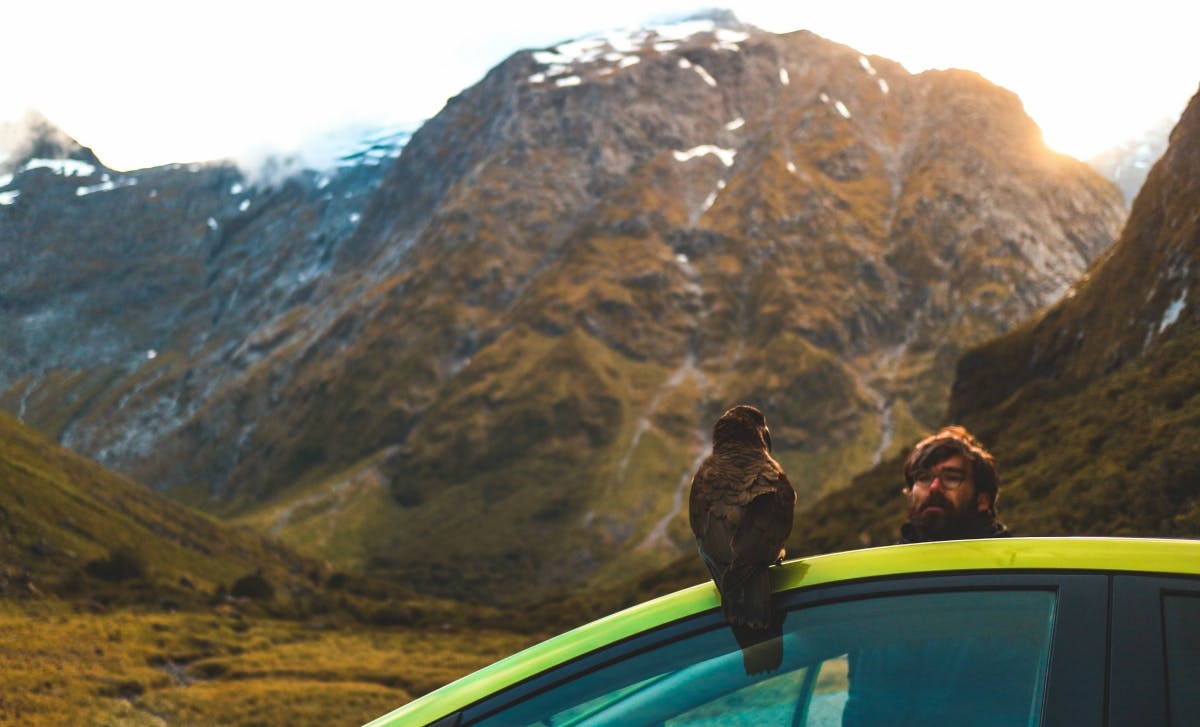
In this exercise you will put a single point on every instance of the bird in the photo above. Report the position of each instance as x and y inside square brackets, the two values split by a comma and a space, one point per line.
[740, 510]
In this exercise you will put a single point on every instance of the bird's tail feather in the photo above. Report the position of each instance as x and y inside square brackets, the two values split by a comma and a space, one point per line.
[746, 595]
[762, 649]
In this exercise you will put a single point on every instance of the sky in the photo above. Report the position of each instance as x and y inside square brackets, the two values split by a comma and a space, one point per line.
[148, 82]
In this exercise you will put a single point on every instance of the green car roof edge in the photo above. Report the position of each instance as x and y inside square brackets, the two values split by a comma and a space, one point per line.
[1145, 555]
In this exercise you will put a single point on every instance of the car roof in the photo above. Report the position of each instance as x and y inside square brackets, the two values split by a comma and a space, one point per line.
[1133, 555]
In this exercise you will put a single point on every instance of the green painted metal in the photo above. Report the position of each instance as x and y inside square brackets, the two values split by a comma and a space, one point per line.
[1087, 554]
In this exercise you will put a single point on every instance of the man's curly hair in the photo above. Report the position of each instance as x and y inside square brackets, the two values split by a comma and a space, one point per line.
[950, 441]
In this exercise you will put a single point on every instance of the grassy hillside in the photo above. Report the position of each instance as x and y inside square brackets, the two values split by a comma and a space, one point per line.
[118, 606]
[64, 666]
[69, 527]
[1120, 456]
[574, 446]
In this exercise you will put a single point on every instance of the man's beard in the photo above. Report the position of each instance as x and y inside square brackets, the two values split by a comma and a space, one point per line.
[937, 514]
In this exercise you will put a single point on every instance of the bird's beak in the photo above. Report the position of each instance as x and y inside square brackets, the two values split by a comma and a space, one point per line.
[767, 438]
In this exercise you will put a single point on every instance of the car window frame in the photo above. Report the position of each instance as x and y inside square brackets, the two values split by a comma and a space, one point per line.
[1138, 651]
[1075, 683]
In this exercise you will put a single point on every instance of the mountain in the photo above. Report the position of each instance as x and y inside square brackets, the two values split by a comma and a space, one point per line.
[33, 137]
[70, 528]
[1128, 163]
[131, 297]
[1091, 407]
[119, 606]
[488, 367]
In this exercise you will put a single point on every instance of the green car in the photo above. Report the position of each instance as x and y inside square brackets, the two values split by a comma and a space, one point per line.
[1015, 631]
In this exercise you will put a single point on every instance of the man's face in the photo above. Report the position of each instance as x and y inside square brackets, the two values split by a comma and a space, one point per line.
[936, 504]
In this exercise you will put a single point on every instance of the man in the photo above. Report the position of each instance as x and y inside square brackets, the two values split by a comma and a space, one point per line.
[952, 489]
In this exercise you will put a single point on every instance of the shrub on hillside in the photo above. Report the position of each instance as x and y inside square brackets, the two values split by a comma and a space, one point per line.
[253, 586]
[122, 564]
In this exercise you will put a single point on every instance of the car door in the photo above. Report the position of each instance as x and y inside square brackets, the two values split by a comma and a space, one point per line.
[1155, 666]
[980, 648]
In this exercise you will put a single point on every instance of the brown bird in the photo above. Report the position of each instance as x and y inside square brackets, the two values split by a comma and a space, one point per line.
[741, 513]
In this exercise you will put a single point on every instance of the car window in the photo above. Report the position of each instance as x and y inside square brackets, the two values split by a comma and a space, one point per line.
[950, 658]
[1181, 626]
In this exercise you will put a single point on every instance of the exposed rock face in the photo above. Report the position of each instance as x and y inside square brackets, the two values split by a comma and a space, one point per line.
[130, 299]
[508, 363]
[1141, 291]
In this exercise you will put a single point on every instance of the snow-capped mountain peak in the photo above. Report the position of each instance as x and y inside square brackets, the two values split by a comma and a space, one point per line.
[605, 53]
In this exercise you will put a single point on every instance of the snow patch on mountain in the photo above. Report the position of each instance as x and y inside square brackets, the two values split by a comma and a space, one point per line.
[613, 44]
[61, 167]
[1171, 314]
[725, 155]
[700, 71]
[106, 184]
[604, 53]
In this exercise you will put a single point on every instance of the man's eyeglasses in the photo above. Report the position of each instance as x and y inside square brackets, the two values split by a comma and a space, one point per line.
[950, 478]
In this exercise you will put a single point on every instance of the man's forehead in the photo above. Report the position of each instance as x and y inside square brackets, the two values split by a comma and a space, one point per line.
[946, 460]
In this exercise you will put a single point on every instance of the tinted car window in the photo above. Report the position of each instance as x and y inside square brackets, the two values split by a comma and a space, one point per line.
[1181, 626]
[952, 658]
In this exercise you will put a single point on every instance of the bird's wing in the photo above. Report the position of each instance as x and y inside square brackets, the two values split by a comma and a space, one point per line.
[716, 490]
[757, 543]
[715, 543]
[699, 498]
[713, 533]
[766, 521]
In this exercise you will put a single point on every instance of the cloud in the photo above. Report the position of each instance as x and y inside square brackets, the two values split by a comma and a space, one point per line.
[14, 139]
[18, 136]
[324, 152]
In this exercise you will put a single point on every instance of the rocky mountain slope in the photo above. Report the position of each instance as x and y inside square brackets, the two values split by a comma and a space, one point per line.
[132, 298]
[1093, 406]
[490, 365]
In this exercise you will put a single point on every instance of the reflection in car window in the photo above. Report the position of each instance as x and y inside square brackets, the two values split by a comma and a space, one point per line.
[952, 658]
[1181, 623]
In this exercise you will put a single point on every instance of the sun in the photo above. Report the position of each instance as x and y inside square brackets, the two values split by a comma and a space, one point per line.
[1085, 122]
